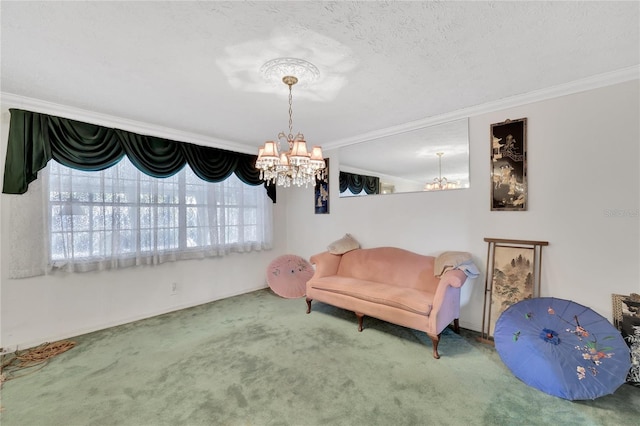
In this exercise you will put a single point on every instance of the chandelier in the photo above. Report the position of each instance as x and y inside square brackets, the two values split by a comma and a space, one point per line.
[440, 182]
[296, 166]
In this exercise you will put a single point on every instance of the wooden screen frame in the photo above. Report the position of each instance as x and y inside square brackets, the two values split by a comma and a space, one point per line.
[536, 246]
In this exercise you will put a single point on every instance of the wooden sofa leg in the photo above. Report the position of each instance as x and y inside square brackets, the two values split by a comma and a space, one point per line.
[309, 305]
[435, 340]
[360, 318]
[456, 326]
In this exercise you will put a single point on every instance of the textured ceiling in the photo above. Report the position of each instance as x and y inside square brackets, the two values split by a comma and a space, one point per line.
[193, 66]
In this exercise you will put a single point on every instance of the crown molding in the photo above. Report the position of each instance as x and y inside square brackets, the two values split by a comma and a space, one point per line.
[10, 100]
[589, 83]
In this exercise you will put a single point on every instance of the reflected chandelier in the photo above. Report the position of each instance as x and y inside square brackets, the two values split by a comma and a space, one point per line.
[440, 182]
[296, 166]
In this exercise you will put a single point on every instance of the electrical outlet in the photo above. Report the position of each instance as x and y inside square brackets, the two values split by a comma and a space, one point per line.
[174, 288]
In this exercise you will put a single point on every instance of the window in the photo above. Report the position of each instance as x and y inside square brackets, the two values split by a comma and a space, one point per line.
[121, 217]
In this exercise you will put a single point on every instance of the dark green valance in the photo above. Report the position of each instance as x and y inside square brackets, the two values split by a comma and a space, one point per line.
[36, 138]
[356, 183]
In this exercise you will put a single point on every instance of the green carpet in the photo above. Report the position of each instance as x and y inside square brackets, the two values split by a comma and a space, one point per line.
[258, 359]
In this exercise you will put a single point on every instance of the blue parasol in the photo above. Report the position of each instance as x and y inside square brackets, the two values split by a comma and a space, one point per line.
[562, 348]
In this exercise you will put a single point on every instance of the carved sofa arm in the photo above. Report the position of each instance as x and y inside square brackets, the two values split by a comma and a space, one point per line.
[446, 301]
[326, 264]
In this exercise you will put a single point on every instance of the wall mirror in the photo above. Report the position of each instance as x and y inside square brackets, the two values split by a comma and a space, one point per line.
[408, 162]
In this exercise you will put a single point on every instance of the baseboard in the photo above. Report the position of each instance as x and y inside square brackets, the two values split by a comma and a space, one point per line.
[469, 326]
[79, 332]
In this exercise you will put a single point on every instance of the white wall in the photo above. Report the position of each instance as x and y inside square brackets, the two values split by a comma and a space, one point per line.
[583, 158]
[48, 308]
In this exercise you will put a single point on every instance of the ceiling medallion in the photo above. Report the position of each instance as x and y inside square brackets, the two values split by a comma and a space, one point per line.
[276, 69]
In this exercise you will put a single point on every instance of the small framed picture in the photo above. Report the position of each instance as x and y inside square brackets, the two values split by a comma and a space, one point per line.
[321, 193]
[509, 165]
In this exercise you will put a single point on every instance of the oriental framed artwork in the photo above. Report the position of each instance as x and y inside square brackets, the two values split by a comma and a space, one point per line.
[321, 192]
[509, 165]
[513, 274]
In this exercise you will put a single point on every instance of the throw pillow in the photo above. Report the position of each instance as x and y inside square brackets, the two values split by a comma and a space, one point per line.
[343, 245]
[449, 260]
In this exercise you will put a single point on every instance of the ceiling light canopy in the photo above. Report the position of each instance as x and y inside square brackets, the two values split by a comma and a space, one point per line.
[296, 166]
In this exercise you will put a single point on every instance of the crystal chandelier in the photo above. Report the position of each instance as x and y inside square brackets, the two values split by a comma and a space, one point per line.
[296, 166]
[440, 182]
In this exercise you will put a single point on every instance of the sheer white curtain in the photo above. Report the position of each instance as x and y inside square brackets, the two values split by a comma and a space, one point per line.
[120, 217]
[29, 232]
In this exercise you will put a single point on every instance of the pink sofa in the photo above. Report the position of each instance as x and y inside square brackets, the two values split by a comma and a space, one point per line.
[390, 284]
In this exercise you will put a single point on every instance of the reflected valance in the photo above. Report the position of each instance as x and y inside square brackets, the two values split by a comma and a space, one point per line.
[36, 138]
[356, 183]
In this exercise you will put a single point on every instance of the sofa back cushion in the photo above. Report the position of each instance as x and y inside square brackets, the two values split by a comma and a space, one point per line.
[390, 265]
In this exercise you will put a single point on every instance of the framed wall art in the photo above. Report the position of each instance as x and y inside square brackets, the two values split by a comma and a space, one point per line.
[509, 165]
[513, 274]
[321, 192]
